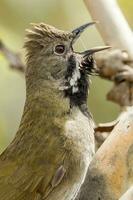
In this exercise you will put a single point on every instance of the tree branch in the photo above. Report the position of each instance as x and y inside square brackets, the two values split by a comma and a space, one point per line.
[112, 25]
[115, 65]
[111, 170]
[14, 59]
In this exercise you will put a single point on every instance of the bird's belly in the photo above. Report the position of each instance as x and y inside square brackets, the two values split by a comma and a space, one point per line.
[79, 131]
[80, 137]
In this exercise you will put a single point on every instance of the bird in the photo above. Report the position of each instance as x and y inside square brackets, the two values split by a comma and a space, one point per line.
[50, 153]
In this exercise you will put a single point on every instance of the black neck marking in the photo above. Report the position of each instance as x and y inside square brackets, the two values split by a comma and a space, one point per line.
[78, 98]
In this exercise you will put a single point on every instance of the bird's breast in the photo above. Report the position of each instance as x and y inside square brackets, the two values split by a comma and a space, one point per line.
[80, 138]
[80, 133]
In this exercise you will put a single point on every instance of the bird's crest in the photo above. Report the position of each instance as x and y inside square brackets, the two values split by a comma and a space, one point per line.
[42, 33]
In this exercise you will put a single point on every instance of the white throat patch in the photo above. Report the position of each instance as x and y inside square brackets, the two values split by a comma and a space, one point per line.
[74, 79]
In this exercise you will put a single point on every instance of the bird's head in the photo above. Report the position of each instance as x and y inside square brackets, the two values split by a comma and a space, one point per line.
[50, 56]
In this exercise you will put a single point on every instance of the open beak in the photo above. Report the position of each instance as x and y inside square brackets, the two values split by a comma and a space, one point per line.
[94, 50]
[88, 63]
[77, 32]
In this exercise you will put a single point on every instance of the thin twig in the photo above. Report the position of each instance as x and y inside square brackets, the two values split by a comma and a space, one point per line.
[14, 59]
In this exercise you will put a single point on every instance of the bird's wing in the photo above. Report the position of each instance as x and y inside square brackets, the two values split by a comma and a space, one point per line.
[22, 182]
[36, 177]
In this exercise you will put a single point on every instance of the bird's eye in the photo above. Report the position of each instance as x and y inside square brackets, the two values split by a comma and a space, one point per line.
[59, 49]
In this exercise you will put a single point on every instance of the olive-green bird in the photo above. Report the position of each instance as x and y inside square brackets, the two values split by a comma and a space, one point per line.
[50, 154]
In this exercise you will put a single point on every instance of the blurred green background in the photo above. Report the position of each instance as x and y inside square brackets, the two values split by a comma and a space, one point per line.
[15, 17]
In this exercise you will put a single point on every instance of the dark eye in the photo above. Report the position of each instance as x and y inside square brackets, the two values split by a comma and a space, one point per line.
[59, 49]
